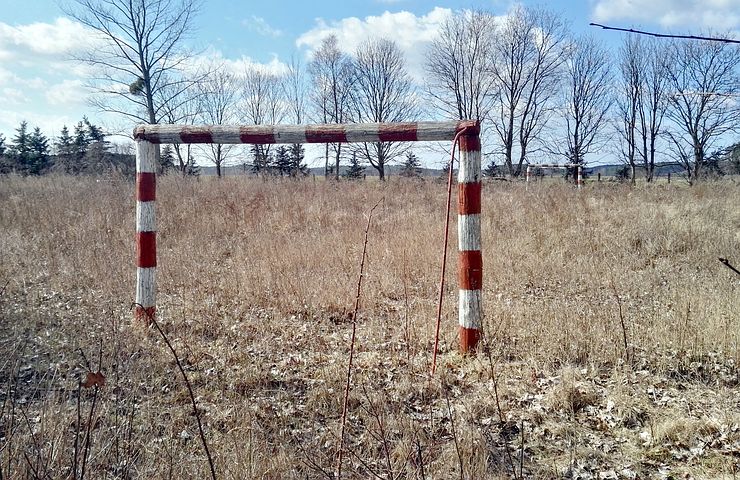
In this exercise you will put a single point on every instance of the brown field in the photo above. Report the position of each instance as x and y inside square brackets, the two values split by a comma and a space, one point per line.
[256, 287]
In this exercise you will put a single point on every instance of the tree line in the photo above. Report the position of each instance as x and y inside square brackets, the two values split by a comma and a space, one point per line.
[540, 92]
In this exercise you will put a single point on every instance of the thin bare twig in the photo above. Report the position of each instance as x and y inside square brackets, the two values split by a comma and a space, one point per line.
[187, 384]
[352, 342]
[454, 433]
[726, 263]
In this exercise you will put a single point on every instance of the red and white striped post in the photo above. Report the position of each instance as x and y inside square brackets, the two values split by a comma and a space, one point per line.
[146, 230]
[470, 272]
[469, 191]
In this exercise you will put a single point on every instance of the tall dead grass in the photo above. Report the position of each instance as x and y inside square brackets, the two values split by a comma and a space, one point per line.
[256, 284]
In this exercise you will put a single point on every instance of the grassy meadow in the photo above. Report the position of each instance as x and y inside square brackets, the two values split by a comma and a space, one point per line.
[611, 339]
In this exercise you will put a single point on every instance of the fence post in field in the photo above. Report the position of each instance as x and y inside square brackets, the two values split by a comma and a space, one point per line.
[579, 176]
[146, 229]
[528, 167]
[469, 239]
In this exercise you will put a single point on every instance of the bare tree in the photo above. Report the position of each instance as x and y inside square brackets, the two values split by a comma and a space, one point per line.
[702, 103]
[458, 65]
[332, 77]
[262, 104]
[588, 98]
[632, 64]
[654, 104]
[527, 52]
[140, 53]
[218, 98]
[382, 93]
[181, 106]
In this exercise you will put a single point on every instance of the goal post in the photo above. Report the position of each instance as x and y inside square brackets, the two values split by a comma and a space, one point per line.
[470, 270]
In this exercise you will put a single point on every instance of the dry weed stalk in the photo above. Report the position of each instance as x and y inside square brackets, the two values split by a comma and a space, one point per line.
[345, 403]
[194, 404]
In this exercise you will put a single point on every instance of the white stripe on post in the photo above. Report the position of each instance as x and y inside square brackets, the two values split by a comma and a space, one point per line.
[468, 232]
[146, 236]
[470, 304]
[145, 218]
[470, 269]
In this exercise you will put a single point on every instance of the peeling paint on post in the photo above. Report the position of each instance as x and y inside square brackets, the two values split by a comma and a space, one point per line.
[470, 272]
[146, 230]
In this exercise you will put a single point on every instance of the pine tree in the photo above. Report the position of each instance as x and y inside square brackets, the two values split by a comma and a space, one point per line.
[2, 144]
[262, 163]
[492, 170]
[39, 156]
[411, 166]
[355, 171]
[297, 154]
[166, 159]
[191, 168]
[20, 149]
[81, 142]
[65, 149]
[282, 160]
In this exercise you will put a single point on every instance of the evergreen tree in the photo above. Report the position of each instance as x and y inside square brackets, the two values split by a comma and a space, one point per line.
[39, 155]
[262, 160]
[355, 171]
[282, 160]
[191, 168]
[5, 162]
[20, 149]
[411, 166]
[65, 149]
[297, 154]
[81, 142]
[166, 159]
[492, 170]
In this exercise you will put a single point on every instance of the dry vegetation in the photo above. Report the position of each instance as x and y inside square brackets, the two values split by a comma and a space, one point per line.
[256, 286]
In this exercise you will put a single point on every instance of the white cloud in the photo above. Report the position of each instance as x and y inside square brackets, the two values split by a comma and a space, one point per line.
[412, 33]
[12, 96]
[237, 66]
[260, 25]
[687, 14]
[70, 92]
[62, 37]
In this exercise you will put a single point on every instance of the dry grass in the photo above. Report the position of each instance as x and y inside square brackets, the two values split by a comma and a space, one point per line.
[256, 286]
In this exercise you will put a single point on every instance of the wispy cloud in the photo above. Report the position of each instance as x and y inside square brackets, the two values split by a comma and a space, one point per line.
[706, 14]
[260, 25]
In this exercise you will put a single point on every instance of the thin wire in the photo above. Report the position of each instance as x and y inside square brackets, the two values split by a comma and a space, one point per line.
[455, 144]
[665, 35]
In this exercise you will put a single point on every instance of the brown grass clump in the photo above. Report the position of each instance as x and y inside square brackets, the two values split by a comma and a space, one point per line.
[256, 283]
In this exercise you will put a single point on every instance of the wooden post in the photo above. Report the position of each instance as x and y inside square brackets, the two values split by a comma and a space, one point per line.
[148, 138]
[599, 177]
[146, 230]
[579, 176]
[470, 270]
[528, 166]
[669, 177]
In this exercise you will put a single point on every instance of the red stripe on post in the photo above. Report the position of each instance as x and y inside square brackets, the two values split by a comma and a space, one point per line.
[469, 143]
[256, 135]
[323, 134]
[404, 132]
[468, 198]
[144, 314]
[469, 338]
[195, 135]
[470, 270]
[146, 187]
[146, 248]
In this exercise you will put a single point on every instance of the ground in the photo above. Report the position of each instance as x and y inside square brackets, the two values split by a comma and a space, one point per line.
[610, 350]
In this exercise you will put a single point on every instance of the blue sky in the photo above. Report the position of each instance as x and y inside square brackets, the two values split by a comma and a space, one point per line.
[40, 84]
